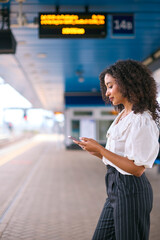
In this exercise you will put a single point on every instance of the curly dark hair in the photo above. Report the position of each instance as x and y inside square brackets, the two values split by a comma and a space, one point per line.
[136, 83]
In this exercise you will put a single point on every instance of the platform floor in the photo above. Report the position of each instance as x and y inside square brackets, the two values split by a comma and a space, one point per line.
[50, 193]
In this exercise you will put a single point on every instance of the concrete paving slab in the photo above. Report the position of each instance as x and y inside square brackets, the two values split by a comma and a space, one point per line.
[60, 194]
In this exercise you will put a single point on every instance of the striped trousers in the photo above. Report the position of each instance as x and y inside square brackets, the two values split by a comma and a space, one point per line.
[126, 212]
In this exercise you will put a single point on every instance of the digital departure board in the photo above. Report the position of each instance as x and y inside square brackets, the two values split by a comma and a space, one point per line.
[72, 25]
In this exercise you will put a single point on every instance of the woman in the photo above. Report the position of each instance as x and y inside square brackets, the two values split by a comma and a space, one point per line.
[132, 146]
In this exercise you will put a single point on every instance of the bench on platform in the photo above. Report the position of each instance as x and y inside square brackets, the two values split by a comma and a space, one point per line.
[157, 162]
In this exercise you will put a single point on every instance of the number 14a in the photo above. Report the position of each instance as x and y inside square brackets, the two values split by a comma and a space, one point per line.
[122, 25]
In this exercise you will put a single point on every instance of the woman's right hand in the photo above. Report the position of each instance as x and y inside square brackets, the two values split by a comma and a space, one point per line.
[90, 145]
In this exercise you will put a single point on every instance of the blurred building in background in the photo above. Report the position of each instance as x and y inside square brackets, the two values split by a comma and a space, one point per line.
[17, 116]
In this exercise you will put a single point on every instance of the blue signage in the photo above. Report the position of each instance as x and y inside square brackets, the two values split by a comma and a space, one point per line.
[123, 24]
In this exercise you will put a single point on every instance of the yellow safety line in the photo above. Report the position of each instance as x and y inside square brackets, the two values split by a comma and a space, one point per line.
[16, 152]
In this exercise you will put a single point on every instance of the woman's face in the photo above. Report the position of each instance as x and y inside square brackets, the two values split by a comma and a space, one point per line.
[113, 92]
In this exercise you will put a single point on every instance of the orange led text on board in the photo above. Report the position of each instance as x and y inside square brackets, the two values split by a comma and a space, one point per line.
[67, 19]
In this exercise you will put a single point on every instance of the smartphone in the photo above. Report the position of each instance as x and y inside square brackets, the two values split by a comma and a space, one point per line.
[73, 138]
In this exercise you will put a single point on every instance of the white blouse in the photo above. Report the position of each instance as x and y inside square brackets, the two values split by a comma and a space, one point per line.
[135, 137]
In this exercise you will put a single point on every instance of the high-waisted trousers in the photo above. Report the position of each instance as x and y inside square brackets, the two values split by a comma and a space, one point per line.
[126, 212]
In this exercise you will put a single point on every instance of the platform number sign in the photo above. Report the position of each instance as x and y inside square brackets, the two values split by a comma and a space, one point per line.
[123, 25]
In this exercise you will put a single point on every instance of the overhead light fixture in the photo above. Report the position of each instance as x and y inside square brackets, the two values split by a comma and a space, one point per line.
[21, 42]
[81, 79]
[148, 61]
[153, 57]
[20, 1]
[80, 73]
[4, 1]
[157, 54]
[27, 55]
[41, 55]
[94, 89]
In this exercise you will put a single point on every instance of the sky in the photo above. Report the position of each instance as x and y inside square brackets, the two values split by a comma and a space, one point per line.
[10, 98]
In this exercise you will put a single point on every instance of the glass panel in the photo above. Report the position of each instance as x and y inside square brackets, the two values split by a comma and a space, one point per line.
[103, 127]
[75, 128]
[108, 113]
[104, 113]
[84, 113]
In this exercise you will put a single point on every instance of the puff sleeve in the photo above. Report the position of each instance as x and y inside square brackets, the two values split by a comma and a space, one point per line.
[142, 144]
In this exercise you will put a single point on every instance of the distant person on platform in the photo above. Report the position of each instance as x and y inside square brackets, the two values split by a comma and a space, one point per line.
[132, 146]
